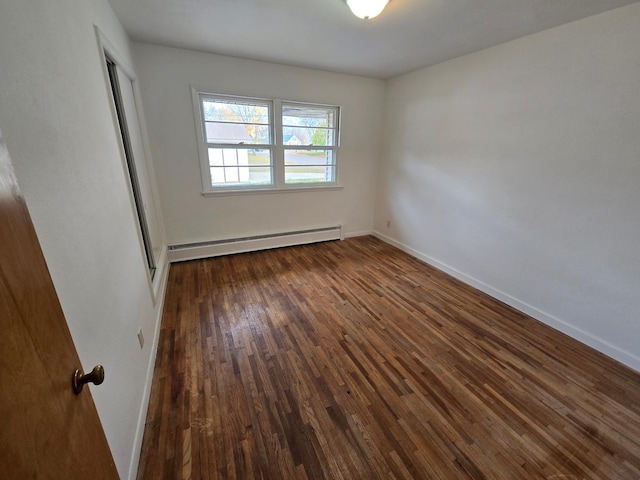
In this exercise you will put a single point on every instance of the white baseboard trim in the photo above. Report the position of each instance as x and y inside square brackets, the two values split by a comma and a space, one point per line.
[144, 405]
[582, 336]
[362, 233]
[193, 251]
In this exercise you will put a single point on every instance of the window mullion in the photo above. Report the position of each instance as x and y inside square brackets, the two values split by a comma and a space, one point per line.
[278, 150]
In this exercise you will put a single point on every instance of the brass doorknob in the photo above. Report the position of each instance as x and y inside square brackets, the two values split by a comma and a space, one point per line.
[96, 376]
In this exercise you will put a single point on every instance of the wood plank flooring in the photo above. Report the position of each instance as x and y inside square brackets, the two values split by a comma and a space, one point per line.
[353, 360]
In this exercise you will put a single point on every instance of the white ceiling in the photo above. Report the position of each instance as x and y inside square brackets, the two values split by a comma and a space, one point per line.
[409, 34]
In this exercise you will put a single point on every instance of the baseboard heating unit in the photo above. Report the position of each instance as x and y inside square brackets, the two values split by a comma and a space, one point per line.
[214, 248]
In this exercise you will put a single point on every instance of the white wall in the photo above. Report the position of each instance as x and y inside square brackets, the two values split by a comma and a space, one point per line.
[166, 75]
[518, 168]
[55, 114]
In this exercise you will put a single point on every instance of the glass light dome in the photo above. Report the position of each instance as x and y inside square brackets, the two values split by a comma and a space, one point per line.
[367, 8]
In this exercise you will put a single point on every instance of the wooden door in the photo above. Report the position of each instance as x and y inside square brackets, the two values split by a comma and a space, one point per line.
[46, 431]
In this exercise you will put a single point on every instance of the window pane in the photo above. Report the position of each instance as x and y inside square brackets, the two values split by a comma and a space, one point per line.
[309, 125]
[316, 136]
[240, 133]
[310, 116]
[260, 157]
[236, 121]
[309, 157]
[309, 174]
[309, 166]
[229, 176]
[240, 166]
[235, 111]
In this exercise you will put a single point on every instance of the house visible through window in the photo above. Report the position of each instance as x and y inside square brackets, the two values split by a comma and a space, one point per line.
[259, 144]
[238, 137]
[309, 135]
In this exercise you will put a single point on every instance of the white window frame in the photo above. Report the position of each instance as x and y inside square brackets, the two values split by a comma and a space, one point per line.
[277, 147]
[333, 148]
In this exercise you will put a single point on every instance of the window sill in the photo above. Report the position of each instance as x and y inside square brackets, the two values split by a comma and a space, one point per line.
[260, 191]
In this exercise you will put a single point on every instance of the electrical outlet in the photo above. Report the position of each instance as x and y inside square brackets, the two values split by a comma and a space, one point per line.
[140, 338]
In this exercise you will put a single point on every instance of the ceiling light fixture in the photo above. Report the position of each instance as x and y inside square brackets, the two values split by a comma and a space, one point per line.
[367, 8]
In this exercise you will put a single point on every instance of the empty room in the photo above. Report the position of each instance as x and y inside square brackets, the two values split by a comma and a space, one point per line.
[320, 239]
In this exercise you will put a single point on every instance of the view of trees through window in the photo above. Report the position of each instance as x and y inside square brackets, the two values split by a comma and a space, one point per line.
[239, 138]
[235, 131]
[307, 132]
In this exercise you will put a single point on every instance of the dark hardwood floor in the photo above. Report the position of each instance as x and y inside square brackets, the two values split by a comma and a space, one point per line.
[353, 360]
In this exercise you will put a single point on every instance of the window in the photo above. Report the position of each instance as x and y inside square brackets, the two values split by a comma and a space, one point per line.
[258, 144]
[309, 138]
[238, 138]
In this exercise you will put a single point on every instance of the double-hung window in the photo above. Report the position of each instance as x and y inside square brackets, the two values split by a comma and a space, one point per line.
[260, 144]
[238, 137]
[310, 140]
